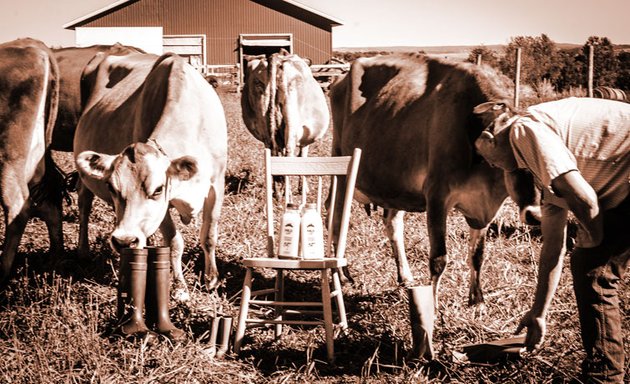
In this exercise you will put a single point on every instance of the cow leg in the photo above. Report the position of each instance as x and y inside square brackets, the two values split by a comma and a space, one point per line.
[210, 233]
[175, 241]
[436, 223]
[395, 231]
[86, 197]
[303, 185]
[51, 214]
[15, 217]
[476, 243]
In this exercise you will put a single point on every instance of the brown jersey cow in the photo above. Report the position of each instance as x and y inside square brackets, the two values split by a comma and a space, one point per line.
[413, 118]
[282, 104]
[30, 183]
[152, 135]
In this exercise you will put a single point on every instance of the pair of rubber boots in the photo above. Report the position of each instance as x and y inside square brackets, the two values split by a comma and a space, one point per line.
[145, 281]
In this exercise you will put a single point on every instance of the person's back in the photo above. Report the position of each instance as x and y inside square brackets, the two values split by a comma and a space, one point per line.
[597, 134]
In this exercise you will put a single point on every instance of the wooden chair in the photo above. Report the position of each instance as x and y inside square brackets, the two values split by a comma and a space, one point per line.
[309, 168]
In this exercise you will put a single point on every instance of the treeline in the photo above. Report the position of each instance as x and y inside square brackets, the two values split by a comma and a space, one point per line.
[545, 66]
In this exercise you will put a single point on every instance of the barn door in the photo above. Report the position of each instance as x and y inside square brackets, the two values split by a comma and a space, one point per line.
[190, 47]
[261, 44]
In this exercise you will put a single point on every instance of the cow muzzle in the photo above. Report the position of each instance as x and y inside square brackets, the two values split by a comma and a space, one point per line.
[120, 241]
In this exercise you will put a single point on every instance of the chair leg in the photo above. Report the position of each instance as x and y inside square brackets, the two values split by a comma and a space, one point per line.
[328, 322]
[279, 297]
[341, 308]
[242, 316]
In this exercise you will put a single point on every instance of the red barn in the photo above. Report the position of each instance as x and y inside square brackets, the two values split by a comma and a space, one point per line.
[218, 32]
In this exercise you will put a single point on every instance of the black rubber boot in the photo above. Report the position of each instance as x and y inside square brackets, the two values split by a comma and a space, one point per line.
[158, 294]
[131, 294]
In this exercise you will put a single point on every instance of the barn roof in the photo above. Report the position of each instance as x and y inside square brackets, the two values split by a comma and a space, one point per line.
[273, 4]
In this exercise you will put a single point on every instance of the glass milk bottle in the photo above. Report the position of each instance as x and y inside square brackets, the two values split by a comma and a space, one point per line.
[290, 232]
[312, 233]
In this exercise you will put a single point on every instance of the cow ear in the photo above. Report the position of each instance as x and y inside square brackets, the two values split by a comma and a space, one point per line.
[491, 106]
[183, 168]
[95, 165]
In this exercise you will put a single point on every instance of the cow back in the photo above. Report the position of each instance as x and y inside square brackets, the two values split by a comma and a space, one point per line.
[72, 61]
[413, 117]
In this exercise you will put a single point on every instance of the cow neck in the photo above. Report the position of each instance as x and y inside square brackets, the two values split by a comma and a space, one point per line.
[152, 142]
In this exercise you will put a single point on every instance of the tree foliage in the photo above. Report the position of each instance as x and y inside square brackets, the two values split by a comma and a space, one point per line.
[604, 61]
[623, 73]
[488, 56]
[538, 59]
[543, 63]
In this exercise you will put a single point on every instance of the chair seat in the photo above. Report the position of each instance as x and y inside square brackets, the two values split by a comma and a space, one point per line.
[269, 262]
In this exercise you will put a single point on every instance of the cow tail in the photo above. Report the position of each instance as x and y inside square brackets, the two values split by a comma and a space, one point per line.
[52, 187]
[271, 106]
[52, 96]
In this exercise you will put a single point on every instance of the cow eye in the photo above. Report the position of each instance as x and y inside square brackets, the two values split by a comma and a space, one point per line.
[158, 192]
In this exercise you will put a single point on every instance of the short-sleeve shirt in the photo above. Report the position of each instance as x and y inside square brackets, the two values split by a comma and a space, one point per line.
[589, 135]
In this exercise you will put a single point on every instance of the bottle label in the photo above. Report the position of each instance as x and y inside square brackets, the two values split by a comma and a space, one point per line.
[289, 235]
[312, 236]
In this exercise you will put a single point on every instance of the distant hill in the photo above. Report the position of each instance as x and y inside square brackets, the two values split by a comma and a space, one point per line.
[450, 50]
[432, 49]
[442, 49]
[455, 52]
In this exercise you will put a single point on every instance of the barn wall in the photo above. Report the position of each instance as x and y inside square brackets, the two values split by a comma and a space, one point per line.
[222, 21]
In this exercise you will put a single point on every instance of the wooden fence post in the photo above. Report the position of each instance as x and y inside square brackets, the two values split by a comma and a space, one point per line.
[517, 78]
[591, 54]
[479, 59]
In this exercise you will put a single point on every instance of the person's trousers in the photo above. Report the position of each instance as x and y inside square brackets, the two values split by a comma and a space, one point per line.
[597, 273]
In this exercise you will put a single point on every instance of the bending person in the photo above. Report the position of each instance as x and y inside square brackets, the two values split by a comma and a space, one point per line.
[578, 150]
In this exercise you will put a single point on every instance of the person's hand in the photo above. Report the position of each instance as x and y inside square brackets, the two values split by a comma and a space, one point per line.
[536, 330]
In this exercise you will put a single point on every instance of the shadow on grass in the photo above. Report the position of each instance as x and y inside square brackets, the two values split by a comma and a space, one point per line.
[369, 344]
[97, 268]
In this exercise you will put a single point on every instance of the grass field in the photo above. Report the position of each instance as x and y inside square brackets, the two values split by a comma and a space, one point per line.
[56, 311]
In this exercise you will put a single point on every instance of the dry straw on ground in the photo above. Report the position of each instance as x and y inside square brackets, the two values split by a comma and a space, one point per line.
[56, 310]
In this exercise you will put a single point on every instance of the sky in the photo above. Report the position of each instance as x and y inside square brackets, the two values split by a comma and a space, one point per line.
[382, 23]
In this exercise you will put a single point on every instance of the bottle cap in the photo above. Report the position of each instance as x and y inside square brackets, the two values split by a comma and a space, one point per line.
[293, 206]
[311, 205]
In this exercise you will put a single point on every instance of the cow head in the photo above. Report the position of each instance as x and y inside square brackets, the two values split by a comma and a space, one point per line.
[142, 181]
[494, 142]
[494, 145]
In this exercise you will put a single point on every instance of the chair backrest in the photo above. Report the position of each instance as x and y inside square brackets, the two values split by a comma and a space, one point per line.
[335, 167]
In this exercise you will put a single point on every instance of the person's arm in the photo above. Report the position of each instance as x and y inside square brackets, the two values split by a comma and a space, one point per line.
[553, 228]
[582, 200]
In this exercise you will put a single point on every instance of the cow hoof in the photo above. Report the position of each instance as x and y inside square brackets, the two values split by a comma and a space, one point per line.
[475, 299]
[479, 311]
[212, 283]
[181, 295]
[84, 255]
